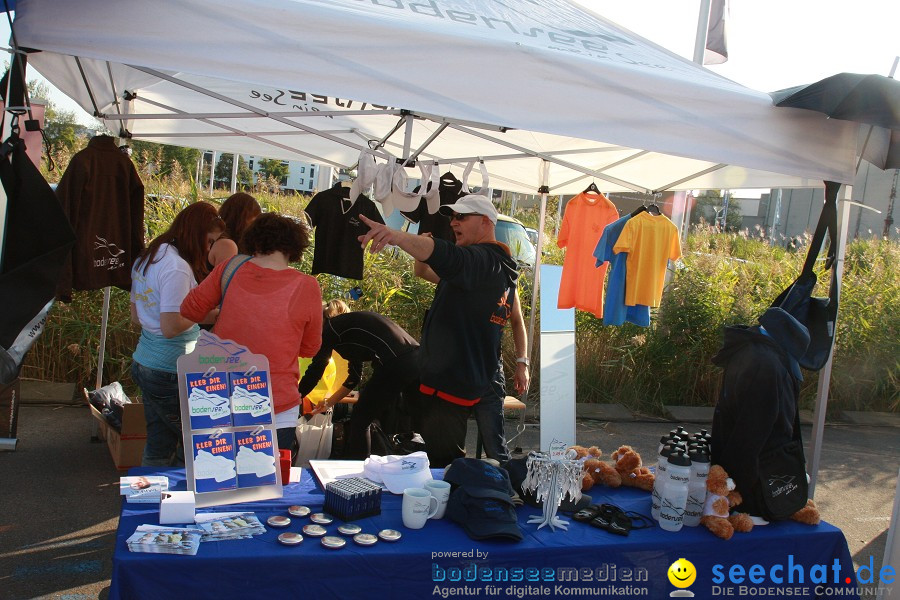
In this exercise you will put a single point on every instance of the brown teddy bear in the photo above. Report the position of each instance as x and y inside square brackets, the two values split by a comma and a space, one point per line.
[721, 497]
[809, 514]
[595, 470]
[630, 469]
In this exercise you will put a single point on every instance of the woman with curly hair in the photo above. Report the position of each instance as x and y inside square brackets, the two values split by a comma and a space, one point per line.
[162, 276]
[271, 308]
[238, 211]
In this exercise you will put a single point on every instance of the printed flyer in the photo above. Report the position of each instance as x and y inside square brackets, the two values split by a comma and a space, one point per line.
[208, 401]
[214, 462]
[250, 400]
[255, 459]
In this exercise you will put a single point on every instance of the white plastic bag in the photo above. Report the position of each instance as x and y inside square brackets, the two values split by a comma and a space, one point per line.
[314, 437]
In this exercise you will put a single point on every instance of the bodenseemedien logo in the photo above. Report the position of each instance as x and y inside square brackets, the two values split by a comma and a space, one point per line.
[682, 574]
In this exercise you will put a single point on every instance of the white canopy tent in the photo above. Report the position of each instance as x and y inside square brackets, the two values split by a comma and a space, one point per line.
[514, 83]
[549, 94]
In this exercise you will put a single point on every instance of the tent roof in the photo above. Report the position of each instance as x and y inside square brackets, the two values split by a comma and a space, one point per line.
[314, 80]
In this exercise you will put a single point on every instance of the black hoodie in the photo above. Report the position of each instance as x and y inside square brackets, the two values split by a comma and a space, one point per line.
[756, 408]
[462, 332]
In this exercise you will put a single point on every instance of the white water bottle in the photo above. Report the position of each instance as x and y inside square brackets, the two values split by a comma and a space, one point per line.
[693, 510]
[675, 491]
[659, 480]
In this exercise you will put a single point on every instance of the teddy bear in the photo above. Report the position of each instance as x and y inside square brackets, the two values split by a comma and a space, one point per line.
[809, 514]
[595, 470]
[633, 473]
[721, 497]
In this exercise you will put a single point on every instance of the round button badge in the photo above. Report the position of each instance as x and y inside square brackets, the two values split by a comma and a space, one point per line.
[390, 535]
[299, 511]
[278, 521]
[314, 530]
[320, 518]
[333, 542]
[349, 529]
[289, 538]
[365, 539]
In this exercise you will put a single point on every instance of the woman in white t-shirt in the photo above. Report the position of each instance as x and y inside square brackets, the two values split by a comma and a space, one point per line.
[162, 276]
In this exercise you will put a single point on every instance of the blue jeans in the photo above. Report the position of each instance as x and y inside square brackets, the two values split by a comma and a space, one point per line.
[489, 418]
[162, 411]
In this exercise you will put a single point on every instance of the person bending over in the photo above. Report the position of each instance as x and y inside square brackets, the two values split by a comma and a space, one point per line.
[364, 336]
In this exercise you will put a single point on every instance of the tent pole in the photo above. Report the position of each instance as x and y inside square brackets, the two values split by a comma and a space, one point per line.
[234, 171]
[702, 32]
[407, 140]
[825, 374]
[212, 173]
[536, 278]
[549, 157]
[104, 321]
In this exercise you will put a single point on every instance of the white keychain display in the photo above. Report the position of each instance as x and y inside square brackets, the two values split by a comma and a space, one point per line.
[551, 481]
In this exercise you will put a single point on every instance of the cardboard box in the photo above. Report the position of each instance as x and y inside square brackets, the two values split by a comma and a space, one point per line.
[9, 408]
[125, 452]
[126, 446]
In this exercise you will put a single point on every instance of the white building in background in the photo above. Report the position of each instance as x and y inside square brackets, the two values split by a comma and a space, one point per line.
[302, 178]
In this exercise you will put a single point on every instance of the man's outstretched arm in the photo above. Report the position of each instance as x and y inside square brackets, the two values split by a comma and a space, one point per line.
[417, 246]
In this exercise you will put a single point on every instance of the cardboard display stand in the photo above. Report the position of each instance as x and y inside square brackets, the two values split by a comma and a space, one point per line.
[228, 423]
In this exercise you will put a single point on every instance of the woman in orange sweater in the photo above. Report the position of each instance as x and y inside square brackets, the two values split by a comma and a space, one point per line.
[270, 307]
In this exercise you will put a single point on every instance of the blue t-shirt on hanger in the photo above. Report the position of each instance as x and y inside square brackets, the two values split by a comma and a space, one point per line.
[614, 310]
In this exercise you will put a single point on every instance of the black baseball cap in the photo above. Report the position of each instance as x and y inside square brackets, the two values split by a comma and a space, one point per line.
[481, 500]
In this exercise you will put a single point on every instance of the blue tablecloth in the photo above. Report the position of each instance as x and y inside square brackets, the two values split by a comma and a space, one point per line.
[583, 561]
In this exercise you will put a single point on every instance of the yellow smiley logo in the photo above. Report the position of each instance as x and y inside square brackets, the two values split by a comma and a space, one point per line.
[682, 573]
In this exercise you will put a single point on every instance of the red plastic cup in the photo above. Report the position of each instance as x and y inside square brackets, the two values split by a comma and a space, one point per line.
[285, 460]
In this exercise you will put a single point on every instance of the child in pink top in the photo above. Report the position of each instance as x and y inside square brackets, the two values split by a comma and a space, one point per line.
[270, 308]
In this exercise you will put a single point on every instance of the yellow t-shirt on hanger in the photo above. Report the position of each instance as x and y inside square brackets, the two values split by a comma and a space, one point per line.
[650, 241]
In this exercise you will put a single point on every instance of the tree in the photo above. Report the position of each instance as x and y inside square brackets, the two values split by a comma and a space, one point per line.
[710, 206]
[273, 169]
[164, 157]
[60, 126]
[223, 171]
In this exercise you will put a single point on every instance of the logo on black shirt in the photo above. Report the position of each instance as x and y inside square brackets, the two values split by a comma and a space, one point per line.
[504, 309]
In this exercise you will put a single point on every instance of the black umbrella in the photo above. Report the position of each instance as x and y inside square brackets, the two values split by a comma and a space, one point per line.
[869, 99]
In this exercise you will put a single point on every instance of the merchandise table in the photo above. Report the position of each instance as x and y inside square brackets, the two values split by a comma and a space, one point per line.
[776, 560]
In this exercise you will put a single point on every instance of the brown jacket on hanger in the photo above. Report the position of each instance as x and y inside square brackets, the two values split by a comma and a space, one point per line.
[103, 197]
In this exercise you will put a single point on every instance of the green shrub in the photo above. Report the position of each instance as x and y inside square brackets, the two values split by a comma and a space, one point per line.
[724, 279]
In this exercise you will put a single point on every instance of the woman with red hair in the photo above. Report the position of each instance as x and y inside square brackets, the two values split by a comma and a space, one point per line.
[238, 211]
[161, 277]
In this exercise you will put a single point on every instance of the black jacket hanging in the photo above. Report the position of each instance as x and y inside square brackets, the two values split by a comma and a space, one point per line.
[36, 245]
[103, 197]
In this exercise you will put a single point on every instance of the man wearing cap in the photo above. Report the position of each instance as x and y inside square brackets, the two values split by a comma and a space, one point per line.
[489, 410]
[461, 337]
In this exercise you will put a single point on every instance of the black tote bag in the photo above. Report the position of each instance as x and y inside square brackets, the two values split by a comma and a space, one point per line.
[782, 478]
[818, 315]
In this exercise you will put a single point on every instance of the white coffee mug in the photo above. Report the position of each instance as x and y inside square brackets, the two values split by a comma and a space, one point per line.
[440, 490]
[418, 506]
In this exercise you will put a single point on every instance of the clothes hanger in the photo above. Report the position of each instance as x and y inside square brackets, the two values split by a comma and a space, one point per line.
[592, 188]
[653, 209]
[638, 211]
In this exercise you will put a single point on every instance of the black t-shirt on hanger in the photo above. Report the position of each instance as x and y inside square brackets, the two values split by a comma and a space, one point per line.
[436, 224]
[338, 226]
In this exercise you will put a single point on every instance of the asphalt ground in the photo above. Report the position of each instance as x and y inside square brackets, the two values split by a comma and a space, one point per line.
[59, 501]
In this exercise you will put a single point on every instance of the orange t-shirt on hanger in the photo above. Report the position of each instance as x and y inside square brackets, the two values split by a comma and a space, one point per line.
[581, 287]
